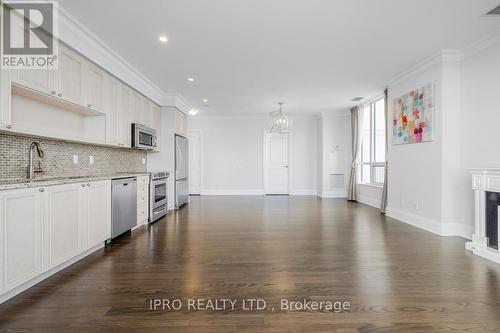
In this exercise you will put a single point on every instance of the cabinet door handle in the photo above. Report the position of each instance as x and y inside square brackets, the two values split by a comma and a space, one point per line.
[60, 95]
[90, 105]
[53, 92]
[88, 184]
[41, 190]
[83, 185]
[8, 126]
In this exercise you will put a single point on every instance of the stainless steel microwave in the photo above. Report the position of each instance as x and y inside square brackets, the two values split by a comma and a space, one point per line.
[143, 137]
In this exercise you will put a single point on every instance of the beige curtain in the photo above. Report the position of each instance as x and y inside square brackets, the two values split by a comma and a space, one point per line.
[383, 204]
[352, 189]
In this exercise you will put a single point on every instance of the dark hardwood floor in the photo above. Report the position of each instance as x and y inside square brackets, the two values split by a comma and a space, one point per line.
[397, 278]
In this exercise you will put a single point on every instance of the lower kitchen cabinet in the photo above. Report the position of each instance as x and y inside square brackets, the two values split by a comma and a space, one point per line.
[45, 228]
[142, 200]
[20, 237]
[63, 223]
[98, 213]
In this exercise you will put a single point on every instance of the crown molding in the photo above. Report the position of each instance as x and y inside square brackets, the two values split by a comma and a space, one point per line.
[483, 44]
[416, 69]
[176, 101]
[449, 56]
[76, 35]
[251, 116]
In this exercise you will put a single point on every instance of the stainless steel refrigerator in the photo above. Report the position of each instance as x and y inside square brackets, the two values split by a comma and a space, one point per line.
[181, 171]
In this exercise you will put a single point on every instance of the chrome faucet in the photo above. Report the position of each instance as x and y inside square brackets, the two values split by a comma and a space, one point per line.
[31, 169]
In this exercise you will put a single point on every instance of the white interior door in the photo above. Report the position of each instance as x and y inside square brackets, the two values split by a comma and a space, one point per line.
[276, 173]
[194, 138]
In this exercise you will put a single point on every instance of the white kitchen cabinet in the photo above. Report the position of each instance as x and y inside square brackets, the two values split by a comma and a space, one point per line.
[94, 87]
[63, 223]
[142, 199]
[156, 124]
[110, 104]
[147, 111]
[124, 117]
[42, 80]
[97, 222]
[20, 237]
[5, 95]
[137, 114]
[71, 76]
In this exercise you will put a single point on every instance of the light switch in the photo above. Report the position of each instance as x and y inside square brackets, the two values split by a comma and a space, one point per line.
[91, 159]
[75, 159]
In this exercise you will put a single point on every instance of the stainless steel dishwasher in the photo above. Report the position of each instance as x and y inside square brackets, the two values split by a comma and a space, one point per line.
[124, 205]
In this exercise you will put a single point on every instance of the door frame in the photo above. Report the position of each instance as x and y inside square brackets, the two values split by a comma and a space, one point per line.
[201, 158]
[264, 169]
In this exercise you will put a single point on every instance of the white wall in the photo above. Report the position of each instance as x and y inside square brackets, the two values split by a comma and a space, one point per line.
[336, 155]
[480, 114]
[414, 179]
[232, 154]
[429, 185]
[304, 155]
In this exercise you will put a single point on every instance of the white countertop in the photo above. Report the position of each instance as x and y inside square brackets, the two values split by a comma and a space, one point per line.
[23, 183]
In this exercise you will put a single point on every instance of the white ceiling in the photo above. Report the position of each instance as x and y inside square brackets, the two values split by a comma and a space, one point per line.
[313, 55]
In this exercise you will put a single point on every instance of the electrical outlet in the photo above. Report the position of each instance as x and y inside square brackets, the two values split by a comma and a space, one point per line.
[75, 159]
[143, 161]
[91, 159]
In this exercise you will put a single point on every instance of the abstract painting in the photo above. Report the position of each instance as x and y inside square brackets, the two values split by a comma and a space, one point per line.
[412, 116]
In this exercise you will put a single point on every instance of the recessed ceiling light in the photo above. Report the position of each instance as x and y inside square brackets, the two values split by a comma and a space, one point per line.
[163, 38]
[205, 100]
[193, 112]
[190, 79]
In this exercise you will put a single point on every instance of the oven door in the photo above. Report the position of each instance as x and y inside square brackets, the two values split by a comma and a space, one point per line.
[158, 193]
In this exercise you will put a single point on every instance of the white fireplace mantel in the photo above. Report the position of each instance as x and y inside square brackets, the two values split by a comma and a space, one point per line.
[483, 180]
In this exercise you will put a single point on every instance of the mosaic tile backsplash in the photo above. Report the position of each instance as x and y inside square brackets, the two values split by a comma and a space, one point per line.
[58, 158]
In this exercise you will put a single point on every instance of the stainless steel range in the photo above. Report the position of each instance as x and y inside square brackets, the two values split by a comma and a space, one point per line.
[158, 197]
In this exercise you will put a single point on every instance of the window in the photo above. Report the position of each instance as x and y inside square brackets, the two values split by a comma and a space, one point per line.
[372, 137]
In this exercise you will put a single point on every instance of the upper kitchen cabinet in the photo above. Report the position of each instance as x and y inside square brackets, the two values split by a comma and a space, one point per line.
[70, 76]
[124, 116]
[42, 80]
[138, 106]
[147, 110]
[78, 101]
[94, 87]
[110, 105]
[5, 94]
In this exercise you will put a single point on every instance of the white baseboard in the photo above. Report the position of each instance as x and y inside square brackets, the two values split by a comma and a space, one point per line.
[369, 201]
[457, 229]
[446, 229]
[255, 192]
[341, 194]
[232, 192]
[415, 220]
[303, 192]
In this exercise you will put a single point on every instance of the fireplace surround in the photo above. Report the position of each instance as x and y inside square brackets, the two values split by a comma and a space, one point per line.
[486, 186]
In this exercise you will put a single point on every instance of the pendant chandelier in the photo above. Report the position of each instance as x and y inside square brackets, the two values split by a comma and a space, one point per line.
[280, 120]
